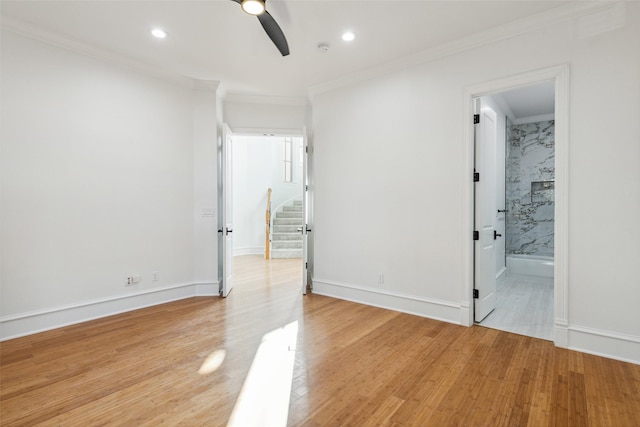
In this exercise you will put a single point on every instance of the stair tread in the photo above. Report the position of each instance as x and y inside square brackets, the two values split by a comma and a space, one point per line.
[286, 239]
[286, 253]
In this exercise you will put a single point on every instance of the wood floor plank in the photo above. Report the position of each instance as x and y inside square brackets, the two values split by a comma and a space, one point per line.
[354, 365]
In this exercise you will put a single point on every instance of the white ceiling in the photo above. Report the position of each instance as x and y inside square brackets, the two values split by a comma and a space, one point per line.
[215, 40]
[529, 101]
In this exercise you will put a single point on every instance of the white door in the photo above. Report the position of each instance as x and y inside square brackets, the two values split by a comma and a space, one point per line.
[485, 212]
[500, 211]
[305, 211]
[226, 231]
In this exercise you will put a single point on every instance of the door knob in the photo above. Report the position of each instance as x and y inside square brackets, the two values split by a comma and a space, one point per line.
[496, 235]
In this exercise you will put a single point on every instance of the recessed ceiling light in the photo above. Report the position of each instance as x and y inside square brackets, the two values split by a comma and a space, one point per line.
[348, 36]
[159, 33]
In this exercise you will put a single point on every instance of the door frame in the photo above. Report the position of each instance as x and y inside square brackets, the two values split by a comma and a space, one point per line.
[560, 76]
[301, 132]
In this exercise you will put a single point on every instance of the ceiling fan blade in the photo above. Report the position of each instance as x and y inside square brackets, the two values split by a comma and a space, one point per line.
[274, 32]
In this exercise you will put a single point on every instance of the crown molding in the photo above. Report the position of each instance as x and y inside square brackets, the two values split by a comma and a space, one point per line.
[522, 26]
[27, 30]
[206, 85]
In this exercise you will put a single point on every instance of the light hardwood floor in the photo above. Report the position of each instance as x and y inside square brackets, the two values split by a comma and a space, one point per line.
[353, 365]
[524, 305]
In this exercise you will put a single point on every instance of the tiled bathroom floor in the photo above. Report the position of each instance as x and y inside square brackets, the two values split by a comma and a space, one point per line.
[524, 306]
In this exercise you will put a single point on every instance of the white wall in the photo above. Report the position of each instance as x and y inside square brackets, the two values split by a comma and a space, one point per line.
[389, 179]
[258, 166]
[97, 184]
[205, 132]
[262, 113]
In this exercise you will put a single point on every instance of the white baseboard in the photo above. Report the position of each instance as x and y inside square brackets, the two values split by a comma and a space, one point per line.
[608, 344]
[248, 250]
[207, 289]
[411, 304]
[466, 317]
[44, 320]
[561, 334]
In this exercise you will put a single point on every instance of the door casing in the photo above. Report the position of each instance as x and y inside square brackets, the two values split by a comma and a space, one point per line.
[560, 75]
[308, 254]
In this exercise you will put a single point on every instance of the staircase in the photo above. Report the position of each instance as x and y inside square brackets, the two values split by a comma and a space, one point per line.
[286, 240]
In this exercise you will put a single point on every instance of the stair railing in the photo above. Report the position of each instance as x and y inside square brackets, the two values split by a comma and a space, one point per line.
[267, 245]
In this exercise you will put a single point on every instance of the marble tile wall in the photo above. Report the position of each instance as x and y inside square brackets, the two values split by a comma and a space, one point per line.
[530, 163]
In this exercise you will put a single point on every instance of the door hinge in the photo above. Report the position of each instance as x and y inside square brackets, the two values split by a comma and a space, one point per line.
[476, 235]
[306, 149]
[476, 294]
[476, 177]
[306, 188]
[306, 265]
[476, 119]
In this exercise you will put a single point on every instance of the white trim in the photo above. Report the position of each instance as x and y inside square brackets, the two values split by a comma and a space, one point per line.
[560, 75]
[43, 320]
[465, 313]
[613, 345]
[206, 289]
[561, 197]
[266, 132]
[534, 119]
[561, 334]
[445, 311]
[607, 334]
[248, 250]
[503, 32]
[206, 85]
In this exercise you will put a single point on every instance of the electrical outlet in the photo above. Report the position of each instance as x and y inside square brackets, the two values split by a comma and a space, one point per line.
[132, 279]
[380, 278]
[155, 276]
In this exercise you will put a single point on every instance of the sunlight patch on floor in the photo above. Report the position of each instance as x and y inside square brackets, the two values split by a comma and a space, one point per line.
[264, 398]
[212, 362]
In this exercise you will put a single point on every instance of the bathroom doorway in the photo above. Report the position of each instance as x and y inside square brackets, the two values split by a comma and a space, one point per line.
[522, 144]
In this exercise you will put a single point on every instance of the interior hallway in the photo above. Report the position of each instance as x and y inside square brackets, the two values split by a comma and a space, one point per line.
[189, 362]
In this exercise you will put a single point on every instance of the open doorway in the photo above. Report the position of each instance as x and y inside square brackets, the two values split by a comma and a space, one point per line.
[268, 213]
[522, 174]
[262, 163]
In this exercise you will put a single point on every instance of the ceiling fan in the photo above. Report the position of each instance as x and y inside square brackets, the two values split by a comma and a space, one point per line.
[258, 8]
